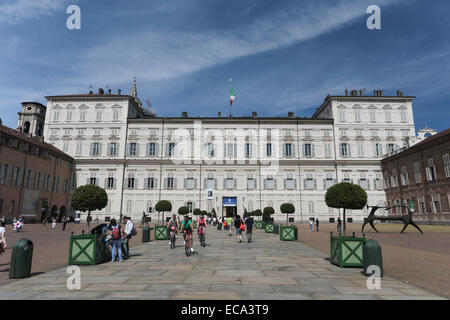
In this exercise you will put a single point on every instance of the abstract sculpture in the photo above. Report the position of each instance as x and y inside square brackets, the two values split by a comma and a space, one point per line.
[407, 219]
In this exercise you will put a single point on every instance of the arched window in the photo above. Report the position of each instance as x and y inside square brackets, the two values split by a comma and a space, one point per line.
[26, 127]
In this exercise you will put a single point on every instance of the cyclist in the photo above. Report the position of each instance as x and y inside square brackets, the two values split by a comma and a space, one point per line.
[187, 227]
[173, 227]
[201, 223]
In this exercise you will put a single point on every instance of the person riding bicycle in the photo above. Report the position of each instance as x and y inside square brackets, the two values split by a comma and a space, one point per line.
[201, 223]
[173, 226]
[187, 227]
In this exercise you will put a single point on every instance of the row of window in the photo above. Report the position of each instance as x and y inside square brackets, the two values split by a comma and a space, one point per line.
[420, 204]
[29, 179]
[430, 171]
[343, 132]
[344, 116]
[81, 115]
[230, 149]
[270, 183]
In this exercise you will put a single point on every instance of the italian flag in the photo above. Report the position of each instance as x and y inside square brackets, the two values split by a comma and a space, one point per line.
[232, 96]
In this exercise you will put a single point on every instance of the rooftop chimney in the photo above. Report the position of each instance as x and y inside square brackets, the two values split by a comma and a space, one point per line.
[184, 114]
[399, 93]
[119, 92]
[101, 91]
[346, 92]
[109, 91]
[219, 114]
[254, 115]
[290, 114]
[361, 93]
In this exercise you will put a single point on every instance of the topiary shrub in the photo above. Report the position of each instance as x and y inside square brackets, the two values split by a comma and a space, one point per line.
[267, 212]
[287, 208]
[183, 210]
[163, 206]
[89, 198]
[346, 196]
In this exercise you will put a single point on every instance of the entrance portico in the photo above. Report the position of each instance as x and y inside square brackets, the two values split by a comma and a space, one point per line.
[229, 206]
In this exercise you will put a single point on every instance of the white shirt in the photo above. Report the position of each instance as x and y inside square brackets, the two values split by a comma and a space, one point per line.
[128, 227]
[2, 232]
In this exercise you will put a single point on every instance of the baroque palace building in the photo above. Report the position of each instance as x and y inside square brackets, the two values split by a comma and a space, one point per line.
[228, 163]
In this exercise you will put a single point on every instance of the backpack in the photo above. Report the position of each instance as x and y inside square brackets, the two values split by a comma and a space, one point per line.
[133, 231]
[115, 233]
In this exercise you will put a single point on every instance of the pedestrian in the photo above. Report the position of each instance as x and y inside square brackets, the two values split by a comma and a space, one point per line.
[317, 224]
[64, 222]
[3, 220]
[311, 225]
[249, 228]
[128, 233]
[2, 236]
[339, 225]
[54, 223]
[230, 226]
[116, 238]
[237, 224]
[219, 224]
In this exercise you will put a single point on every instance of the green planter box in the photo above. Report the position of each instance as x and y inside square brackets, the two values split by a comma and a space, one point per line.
[260, 225]
[87, 250]
[346, 251]
[161, 233]
[288, 233]
[269, 228]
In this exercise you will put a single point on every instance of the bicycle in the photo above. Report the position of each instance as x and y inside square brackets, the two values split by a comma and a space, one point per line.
[187, 245]
[172, 238]
[201, 236]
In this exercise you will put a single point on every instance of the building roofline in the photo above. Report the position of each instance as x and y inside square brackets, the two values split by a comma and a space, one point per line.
[328, 99]
[35, 141]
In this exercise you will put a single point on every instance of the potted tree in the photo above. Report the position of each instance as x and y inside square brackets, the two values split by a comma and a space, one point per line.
[92, 246]
[288, 233]
[269, 226]
[161, 231]
[258, 224]
[346, 251]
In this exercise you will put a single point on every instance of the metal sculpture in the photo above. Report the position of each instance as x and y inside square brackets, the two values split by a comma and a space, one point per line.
[407, 218]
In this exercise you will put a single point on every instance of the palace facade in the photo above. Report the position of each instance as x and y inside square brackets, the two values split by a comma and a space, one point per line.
[228, 164]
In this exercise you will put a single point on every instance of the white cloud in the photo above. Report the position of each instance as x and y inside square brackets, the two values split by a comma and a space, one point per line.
[15, 11]
[154, 56]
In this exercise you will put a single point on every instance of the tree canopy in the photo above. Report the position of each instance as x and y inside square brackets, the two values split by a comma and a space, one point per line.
[183, 210]
[89, 198]
[346, 196]
[197, 212]
[267, 212]
[163, 205]
[287, 208]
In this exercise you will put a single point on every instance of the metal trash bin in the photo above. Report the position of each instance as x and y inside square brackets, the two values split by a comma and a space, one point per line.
[372, 256]
[146, 234]
[21, 258]
[276, 228]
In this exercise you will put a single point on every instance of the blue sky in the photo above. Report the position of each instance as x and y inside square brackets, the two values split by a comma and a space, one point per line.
[282, 55]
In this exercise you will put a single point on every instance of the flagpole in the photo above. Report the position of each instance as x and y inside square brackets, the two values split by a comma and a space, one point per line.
[230, 101]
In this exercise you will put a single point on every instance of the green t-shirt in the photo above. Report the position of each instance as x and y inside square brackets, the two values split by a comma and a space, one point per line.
[186, 225]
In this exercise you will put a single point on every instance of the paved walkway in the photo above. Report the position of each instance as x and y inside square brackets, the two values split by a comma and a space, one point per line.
[265, 269]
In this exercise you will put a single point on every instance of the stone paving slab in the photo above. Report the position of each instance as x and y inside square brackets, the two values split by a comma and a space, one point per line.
[266, 269]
